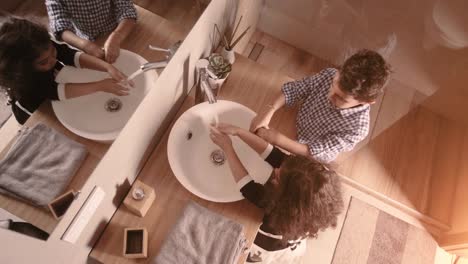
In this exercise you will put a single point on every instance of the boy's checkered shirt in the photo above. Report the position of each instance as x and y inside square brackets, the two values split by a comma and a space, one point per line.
[88, 19]
[325, 129]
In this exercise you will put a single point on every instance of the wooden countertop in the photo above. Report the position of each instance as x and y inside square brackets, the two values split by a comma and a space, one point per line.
[249, 84]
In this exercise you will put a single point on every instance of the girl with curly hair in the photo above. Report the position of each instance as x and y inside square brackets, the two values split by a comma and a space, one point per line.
[302, 197]
[30, 61]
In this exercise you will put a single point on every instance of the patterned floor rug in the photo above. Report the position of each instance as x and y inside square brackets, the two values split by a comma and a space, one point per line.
[372, 236]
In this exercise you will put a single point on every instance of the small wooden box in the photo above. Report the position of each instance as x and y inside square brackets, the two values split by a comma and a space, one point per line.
[59, 205]
[135, 243]
[140, 207]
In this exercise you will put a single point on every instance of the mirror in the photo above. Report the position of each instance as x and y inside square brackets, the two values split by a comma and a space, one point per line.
[161, 23]
[416, 151]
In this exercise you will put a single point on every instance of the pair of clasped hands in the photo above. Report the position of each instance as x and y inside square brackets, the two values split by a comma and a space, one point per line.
[117, 84]
[220, 133]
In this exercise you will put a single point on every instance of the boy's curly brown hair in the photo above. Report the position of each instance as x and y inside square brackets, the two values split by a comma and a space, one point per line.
[364, 75]
[306, 199]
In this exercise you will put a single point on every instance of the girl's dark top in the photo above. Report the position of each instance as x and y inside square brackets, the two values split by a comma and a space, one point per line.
[43, 85]
[254, 192]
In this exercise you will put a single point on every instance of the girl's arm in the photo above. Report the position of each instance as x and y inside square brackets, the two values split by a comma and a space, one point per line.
[278, 139]
[254, 141]
[237, 168]
[254, 192]
[225, 143]
[73, 90]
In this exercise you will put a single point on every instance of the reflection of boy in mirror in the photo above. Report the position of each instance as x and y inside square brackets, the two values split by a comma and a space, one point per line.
[79, 23]
[334, 113]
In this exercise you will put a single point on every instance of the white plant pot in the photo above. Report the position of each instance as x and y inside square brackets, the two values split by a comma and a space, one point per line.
[216, 84]
[229, 55]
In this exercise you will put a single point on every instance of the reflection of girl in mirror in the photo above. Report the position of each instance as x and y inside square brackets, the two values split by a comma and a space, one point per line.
[30, 60]
[301, 198]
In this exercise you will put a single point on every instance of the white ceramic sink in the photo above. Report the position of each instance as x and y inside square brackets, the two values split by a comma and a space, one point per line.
[189, 152]
[90, 116]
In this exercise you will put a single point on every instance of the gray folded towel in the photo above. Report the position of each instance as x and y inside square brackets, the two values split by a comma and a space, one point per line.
[40, 164]
[201, 236]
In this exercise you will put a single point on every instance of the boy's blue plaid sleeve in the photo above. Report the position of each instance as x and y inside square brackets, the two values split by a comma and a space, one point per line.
[326, 148]
[299, 90]
[59, 19]
[124, 9]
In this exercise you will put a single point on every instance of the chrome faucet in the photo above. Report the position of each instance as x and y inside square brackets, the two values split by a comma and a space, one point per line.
[161, 64]
[204, 88]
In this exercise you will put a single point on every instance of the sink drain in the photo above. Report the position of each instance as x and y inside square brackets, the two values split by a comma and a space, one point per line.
[113, 105]
[217, 157]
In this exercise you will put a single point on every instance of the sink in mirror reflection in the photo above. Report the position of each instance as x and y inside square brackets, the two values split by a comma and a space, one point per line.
[199, 164]
[160, 23]
[100, 116]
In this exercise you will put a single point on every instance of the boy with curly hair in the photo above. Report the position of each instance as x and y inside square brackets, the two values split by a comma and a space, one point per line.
[334, 112]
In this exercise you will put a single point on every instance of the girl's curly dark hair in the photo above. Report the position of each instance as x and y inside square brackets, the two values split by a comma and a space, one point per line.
[306, 199]
[21, 42]
[364, 75]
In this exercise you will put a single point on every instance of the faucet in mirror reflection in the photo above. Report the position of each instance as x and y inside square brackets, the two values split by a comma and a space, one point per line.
[161, 64]
[153, 65]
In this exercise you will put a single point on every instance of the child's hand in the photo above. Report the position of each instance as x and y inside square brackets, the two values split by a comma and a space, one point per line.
[118, 75]
[112, 47]
[112, 86]
[228, 129]
[259, 121]
[220, 139]
[93, 49]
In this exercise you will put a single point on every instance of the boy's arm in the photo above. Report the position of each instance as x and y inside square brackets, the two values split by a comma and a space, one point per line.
[126, 15]
[90, 62]
[264, 118]
[284, 142]
[83, 44]
[112, 44]
[61, 25]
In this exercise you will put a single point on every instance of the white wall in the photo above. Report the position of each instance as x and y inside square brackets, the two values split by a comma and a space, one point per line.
[250, 12]
[122, 162]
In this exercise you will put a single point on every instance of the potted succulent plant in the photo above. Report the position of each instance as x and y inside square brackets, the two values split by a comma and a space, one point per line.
[218, 69]
[229, 41]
